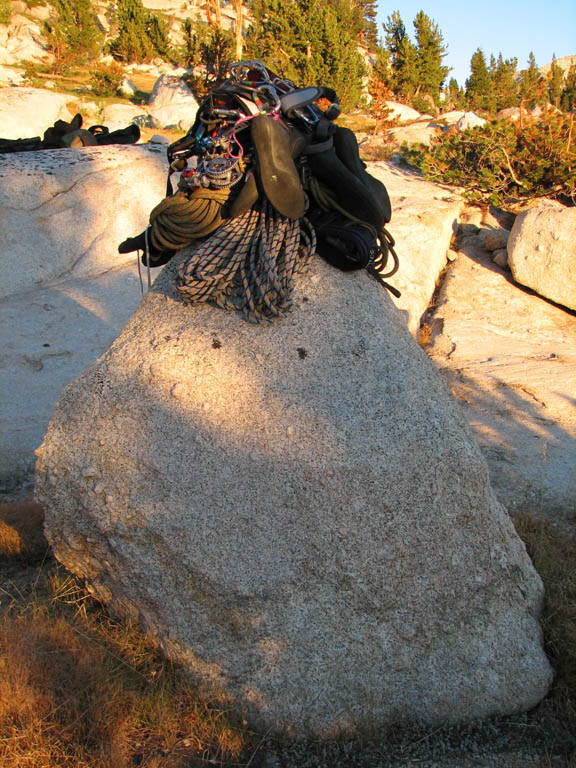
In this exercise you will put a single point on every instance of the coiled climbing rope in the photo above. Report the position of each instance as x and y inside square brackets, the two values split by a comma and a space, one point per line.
[249, 264]
[179, 220]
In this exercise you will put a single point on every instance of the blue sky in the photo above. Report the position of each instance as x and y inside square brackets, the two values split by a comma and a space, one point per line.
[511, 27]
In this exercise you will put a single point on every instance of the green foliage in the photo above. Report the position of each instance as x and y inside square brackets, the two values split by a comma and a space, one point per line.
[310, 42]
[504, 85]
[503, 162]
[369, 33]
[106, 80]
[157, 33]
[73, 35]
[530, 86]
[555, 83]
[190, 54]
[431, 50]
[568, 101]
[479, 84]
[141, 35]
[455, 95]
[416, 68]
[216, 52]
[5, 11]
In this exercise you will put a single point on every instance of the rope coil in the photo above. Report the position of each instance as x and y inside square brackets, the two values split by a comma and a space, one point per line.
[249, 264]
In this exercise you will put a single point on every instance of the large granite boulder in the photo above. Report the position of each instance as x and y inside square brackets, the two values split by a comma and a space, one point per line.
[64, 211]
[22, 41]
[402, 112]
[27, 112]
[542, 251]
[297, 512]
[172, 103]
[416, 133]
[117, 116]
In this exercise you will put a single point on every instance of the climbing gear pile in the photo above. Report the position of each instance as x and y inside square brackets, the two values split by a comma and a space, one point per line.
[266, 180]
[62, 135]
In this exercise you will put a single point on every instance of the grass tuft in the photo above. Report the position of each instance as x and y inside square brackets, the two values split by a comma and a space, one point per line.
[79, 688]
[554, 557]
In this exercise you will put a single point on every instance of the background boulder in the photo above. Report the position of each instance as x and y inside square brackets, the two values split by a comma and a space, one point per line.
[172, 103]
[297, 512]
[542, 251]
[28, 112]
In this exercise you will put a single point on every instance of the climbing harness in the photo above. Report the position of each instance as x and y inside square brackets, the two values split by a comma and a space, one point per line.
[266, 179]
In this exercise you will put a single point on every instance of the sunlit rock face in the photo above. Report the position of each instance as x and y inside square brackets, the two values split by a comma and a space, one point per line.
[64, 211]
[297, 512]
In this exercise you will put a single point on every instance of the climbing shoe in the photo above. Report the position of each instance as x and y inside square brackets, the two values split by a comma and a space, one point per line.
[276, 172]
[249, 194]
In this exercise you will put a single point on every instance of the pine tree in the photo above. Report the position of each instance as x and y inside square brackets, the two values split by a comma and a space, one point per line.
[568, 100]
[73, 35]
[430, 52]
[555, 83]
[479, 90]
[370, 28]
[504, 86]
[403, 57]
[309, 42]
[190, 54]
[157, 33]
[530, 79]
[455, 94]
[132, 43]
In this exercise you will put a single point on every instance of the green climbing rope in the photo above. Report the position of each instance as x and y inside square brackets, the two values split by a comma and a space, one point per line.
[185, 217]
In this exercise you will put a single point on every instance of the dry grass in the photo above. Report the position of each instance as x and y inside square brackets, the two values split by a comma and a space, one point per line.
[554, 557]
[80, 689]
[21, 536]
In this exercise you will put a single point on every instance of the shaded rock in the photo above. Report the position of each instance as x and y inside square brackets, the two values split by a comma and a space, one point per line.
[127, 87]
[495, 239]
[402, 112]
[512, 113]
[542, 252]
[510, 359]
[470, 120]
[65, 211]
[116, 116]
[22, 41]
[500, 257]
[210, 479]
[424, 218]
[48, 336]
[27, 112]
[159, 139]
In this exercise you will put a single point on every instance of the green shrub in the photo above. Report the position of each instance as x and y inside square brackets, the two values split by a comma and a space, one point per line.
[5, 11]
[506, 163]
[106, 81]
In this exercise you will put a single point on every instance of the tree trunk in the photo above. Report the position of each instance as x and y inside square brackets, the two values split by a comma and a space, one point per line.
[239, 37]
